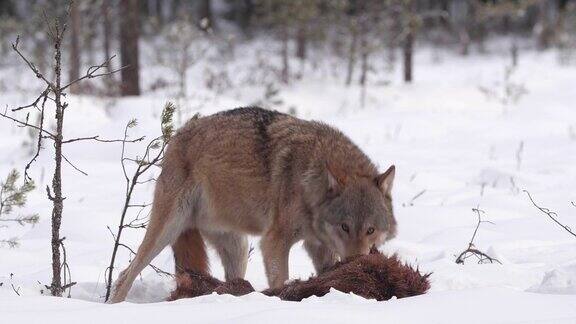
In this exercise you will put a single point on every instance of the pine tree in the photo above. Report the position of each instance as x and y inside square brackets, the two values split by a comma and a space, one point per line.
[13, 197]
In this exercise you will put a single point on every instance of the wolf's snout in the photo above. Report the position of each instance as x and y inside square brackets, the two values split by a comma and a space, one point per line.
[357, 250]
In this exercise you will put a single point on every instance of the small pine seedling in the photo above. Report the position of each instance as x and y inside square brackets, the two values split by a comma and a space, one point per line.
[14, 197]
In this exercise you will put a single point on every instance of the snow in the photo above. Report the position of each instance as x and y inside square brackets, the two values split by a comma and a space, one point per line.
[499, 305]
[447, 139]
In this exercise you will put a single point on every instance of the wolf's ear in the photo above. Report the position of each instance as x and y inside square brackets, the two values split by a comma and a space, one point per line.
[334, 184]
[385, 180]
[320, 181]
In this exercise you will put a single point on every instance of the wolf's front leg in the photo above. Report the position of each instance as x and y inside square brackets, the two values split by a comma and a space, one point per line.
[275, 245]
[322, 257]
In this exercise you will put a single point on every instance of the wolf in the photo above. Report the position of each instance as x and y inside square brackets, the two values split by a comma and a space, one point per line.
[252, 171]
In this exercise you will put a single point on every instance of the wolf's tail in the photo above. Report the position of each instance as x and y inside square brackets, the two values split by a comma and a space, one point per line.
[190, 252]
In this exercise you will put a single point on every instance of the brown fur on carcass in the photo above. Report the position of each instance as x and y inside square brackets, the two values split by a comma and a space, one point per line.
[193, 284]
[373, 276]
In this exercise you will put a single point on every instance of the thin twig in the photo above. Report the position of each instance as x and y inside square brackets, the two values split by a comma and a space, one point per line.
[31, 65]
[158, 270]
[91, 72]
[39, 143]
[15, 290]
[143, 165]
[132, 252]
[98, 139]
[26, 124]
[418, 195]
[146, 181]
[139, 205]
[36, 101]
[472, 250]
[72, 165]
[66, 269]
[551, 214]
[20, 220]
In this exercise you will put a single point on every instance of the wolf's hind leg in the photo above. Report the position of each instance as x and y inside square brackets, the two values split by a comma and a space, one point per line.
[233, 251]
[190, 252]
[168, 218]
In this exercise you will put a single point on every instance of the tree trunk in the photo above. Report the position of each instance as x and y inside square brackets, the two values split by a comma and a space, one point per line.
[183, 66]
[392, 25]
[160, 9]
[285, 58]
[445, 20]
[352, 55]
[107, 27]
[205, 12]
[152, 8]
[57, 200]
[301, 42]
[408, 49]
[91, 33]
[514, 52]
[545, 36]
[74, 68]
[464, 40]
[129, 34]
[364, 52]
[243, 12]
[410, 24]
[462, 19]
[560, 28]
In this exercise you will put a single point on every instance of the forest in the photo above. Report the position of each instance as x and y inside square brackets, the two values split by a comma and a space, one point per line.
[181, 33]
[472, 101]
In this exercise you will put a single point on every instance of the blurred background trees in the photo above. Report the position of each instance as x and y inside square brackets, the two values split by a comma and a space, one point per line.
[357, 31]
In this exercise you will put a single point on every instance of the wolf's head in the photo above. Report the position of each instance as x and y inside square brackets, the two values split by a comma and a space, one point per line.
[350, 215]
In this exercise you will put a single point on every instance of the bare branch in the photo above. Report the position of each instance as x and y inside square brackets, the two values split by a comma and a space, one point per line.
[418, 195]
[139, 205]
[67, 276]
[481, 256]
[39, 144]
[49, 194]
[478, 212]
[92, 72]
[72, 165]
[147, 181]
[17, 291]
[98, 139]
[44, 95]
[50, 29]
[552, 215]
[68, 285]
[26, 124]
[472, 250]
[21, 220]
[12, 242]
[143, 165]
[31, 65]
[158, 270]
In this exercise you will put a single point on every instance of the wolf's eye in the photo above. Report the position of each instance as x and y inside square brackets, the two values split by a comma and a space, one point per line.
[345, 228]
[370, 231]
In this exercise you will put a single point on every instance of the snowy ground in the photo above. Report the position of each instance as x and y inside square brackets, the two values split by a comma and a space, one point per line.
[447, 139]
